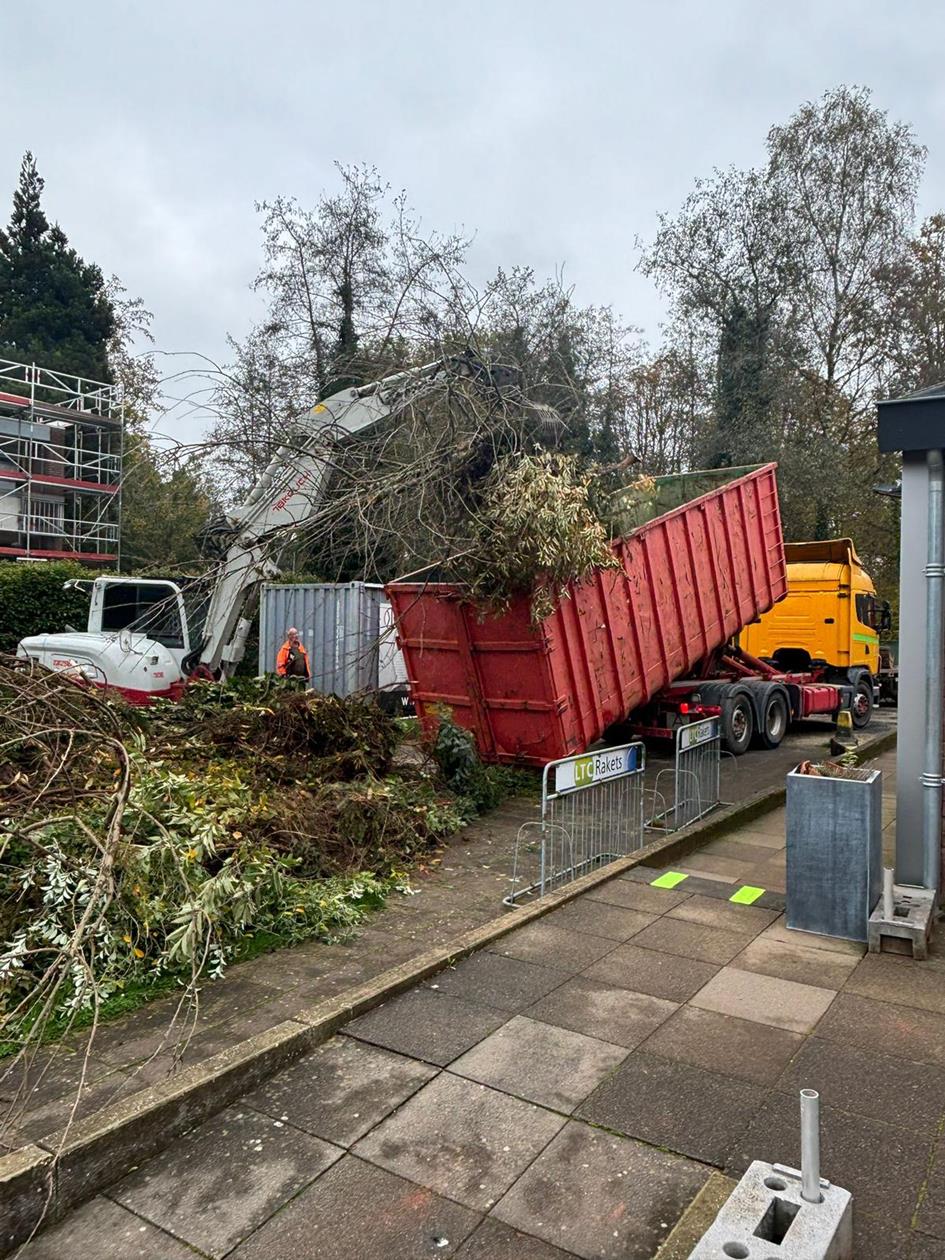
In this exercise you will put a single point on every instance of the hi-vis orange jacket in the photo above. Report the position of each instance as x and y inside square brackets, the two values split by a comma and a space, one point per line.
[283, 662]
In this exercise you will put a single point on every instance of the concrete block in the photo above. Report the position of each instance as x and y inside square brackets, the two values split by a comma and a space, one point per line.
[913, 909]
[766, 1219]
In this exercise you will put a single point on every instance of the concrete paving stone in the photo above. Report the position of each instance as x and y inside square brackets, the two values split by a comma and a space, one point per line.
[598, 918]
[506, 984]
[692, 940]
[723, 914]
[770, 824]
[540, 1062]
[102, 1230]
[894, 1030]
[640, 874]
[882, 1166]
[719, 888]
[652, 972]
[356, 1211]
[341, 1090]
[922, 1247]
[823, 968]
[559, 948]
[697, 1218]
[709, 874]
[779, 931]
[673, 1105]
[774, 839]
[495, 1241]
[715, 865]
[461, 1139]
[218, 1183]
[878, 1086]
[427, 1025]
[773, 878]
[37, 1122]
[47, 1076]
[742, 850]
[600, 1196]
[765, 999]
[153, 1029]
[603, 1010]
[931, 1215]
[635, 896]
[723, 1044]
[902, 981]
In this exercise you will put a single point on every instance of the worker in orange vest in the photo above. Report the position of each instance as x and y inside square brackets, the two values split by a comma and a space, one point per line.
[292, 661]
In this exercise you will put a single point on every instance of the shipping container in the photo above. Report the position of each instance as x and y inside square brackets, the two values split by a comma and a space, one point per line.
[686, 582]
[346, 628]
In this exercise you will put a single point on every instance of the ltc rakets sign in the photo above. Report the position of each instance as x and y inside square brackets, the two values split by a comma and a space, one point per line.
[584, 772]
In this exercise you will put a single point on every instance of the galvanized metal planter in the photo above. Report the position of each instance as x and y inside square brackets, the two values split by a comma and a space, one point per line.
[834, 853]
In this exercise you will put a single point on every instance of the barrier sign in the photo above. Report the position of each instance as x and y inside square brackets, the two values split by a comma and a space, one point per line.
[697, 733]
[583, 772]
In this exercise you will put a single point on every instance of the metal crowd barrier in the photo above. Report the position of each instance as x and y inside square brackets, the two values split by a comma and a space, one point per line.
[693, 783]
[591, 814]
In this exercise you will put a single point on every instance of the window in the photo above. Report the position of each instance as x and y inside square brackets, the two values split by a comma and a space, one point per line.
[866, 610]
[46, 516]
[150, 610]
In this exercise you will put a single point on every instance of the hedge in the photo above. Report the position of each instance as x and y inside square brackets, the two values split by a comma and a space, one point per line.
[32, 600]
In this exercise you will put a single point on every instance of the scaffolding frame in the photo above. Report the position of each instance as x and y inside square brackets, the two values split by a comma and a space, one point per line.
[61, 453]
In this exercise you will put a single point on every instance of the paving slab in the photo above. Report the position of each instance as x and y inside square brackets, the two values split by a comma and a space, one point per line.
[101, 1230]
[692, 940]
[559, 948]
[922, 1247]
[356, 1211]
[427, 1025]
[495, 1241]
[600, 1196]
[697, 1218]
[877, 1086]
[720, 1043]
[931, 1215]
[823, 968]
[673, 1105]
[772, 877]
[636, 896]
[223, 1179]
[599, 918]
[765, 999]
[461, 1139]
[901, 981]
[882, 1166]
[739, 848]
[341, 1090]
[505, 984]
[894, 1030]
[715, 866]
[650, 971]
[730, 917]
[48, 1076]
[603, 1010]
[778, 931]
[545, 1064]
[774, 839]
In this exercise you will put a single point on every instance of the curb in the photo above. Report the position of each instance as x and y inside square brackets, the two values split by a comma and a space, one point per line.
[41, 1182]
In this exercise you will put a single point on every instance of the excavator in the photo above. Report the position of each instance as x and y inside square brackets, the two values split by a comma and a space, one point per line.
[138, 640]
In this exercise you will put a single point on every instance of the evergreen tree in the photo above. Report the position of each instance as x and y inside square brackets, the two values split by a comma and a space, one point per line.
[54, 308]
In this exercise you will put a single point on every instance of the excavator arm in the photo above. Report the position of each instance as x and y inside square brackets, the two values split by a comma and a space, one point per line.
[289, 493]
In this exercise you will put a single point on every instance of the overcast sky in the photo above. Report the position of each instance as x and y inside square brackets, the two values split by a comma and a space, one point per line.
[555, 131]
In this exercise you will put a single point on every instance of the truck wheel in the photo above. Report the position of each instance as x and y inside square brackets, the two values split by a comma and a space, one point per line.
[862, 705]
[738, 723]
[775, 720]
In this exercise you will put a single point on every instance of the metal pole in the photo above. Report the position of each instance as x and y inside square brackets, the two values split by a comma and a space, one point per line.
[810, 1145]
[932, 775]
[889, 908]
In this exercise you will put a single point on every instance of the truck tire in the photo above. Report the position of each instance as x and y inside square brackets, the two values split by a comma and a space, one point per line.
[861, 706]
[775, 719]
[738, 723]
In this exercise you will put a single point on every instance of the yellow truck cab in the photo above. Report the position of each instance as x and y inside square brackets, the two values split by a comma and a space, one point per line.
[830, 619]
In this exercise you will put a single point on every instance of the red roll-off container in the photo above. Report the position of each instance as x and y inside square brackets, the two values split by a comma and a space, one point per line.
[687, 582]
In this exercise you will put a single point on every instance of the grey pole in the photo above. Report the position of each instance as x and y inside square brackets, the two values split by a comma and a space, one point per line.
[810, 1145]
[932, 775]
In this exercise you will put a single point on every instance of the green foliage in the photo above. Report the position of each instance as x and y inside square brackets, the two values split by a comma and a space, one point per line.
[535, 531]
[32, 600]
[480, 787]
[164, 508]
[54, 307]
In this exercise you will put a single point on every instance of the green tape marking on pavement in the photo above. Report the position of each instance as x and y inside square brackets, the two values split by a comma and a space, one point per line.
[746, 895]
[669, 880]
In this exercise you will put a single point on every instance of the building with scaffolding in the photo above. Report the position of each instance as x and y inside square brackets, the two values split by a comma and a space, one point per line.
[60, 466]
